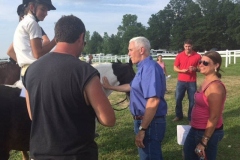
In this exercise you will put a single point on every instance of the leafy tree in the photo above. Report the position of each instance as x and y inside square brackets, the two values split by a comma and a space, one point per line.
[185, 16]
[130, 28]
[160, 25]
[233, 21]
[114, 44]
[87, 40]
[105, 44]
[95, 44]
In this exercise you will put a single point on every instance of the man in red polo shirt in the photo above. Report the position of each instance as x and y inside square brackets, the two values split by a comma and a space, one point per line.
[185, 65]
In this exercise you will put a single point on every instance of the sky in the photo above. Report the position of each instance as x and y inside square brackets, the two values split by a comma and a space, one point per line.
[97, 15]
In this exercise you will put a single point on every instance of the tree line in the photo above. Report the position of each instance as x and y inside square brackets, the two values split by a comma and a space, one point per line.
[209, 23]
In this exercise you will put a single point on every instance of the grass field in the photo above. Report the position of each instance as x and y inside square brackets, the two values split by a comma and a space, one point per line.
[117, 143]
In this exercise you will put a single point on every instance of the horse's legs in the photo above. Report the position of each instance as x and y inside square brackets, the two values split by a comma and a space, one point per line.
[25, 155]
[4, 154]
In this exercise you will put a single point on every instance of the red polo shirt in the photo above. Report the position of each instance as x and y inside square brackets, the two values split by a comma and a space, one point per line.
[183, 61]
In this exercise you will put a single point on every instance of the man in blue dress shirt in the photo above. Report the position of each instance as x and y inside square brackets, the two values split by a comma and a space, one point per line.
[147, 103]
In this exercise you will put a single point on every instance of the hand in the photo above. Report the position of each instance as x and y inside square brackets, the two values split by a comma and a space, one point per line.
[190, 68]
[200, 150]
[185, 70]
[139, 139]
[105, 83]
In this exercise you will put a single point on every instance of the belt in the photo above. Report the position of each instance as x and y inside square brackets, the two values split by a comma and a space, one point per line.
[23, 69]
[141, 117]
[216, 129]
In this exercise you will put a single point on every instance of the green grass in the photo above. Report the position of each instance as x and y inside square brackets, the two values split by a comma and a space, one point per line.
[117, 143]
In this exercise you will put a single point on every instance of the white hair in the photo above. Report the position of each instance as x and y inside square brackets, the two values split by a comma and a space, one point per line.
[141, 42]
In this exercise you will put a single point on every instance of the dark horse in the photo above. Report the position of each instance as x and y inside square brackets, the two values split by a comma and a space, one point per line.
[15, 123]
[9, 72]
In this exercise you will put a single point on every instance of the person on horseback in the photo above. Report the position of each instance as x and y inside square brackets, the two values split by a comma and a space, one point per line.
[20, 11]
[27, 41]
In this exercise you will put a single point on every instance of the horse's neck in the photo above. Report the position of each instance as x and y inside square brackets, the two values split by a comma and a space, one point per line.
[105, 70]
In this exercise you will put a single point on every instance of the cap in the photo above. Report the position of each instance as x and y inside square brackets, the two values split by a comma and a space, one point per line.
[46, 2]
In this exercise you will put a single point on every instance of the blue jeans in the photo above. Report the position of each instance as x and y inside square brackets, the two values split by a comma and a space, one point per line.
[181, 88]
[153, 139]
[192, 140]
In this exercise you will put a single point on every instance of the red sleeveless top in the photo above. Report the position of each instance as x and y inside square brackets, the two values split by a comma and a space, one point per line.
[200, 111]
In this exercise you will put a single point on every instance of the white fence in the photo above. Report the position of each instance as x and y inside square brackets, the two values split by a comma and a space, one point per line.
[228, 54]
[115, 58]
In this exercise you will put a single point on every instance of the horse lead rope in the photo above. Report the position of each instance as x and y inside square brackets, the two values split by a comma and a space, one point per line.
[119, 103]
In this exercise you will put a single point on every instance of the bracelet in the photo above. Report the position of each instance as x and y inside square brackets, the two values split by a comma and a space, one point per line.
[205, 138]
[204, 145]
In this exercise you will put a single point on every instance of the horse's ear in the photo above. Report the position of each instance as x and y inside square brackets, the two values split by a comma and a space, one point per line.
[130, 62]
[118, 61]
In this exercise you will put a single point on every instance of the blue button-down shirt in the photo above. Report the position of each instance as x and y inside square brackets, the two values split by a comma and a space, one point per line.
[149, 82]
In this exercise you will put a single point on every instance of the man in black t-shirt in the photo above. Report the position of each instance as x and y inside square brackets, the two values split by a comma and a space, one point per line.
[64, 96]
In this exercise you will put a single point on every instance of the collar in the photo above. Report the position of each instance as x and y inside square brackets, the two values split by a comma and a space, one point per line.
[192, 53]
[32, 17]
[141, 63]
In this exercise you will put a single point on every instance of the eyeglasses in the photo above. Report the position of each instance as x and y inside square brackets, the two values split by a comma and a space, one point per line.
[205, 63]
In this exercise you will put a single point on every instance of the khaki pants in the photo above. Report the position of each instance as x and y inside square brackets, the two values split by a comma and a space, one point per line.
[23, 69]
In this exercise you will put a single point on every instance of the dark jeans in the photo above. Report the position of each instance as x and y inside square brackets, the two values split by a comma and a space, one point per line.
[192, 140]
[181, 88]
[152, 140]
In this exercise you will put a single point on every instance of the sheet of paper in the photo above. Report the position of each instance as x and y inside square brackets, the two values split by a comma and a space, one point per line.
[23, 93]
[182, 132]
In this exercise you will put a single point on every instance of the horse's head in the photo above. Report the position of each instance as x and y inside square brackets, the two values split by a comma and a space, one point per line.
[117, 73]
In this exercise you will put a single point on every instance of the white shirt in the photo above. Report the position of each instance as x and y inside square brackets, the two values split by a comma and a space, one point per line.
[26, 30]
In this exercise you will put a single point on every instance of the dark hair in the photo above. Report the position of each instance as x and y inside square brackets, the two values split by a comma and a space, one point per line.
[188, 41]
[216, 58]
[159, 56]
[20, 10]
[68, 29]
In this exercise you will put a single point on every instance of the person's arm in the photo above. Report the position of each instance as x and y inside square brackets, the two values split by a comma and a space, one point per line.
[151, 109]
[100, 103]
[121, 88]
[39, 50]
[176, 69]
[45, 38]
[215, 94]
[11, 53]
[28, 105]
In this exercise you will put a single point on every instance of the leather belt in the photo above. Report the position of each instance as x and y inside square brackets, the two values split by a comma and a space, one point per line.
[23, 69]
[216, 129]
[141, 117]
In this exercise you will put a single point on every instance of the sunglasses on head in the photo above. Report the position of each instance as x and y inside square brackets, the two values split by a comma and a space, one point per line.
[205, 63]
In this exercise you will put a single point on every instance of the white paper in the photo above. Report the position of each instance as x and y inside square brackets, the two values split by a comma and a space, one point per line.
[182, 132]
[167, 77]
[23, 93]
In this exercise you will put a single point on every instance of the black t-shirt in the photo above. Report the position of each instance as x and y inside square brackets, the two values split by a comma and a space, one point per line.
[63, 125]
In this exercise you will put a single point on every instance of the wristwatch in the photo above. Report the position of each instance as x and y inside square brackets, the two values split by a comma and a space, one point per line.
[142, 129]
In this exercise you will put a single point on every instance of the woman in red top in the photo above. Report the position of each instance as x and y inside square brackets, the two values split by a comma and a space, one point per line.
[207, 119]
